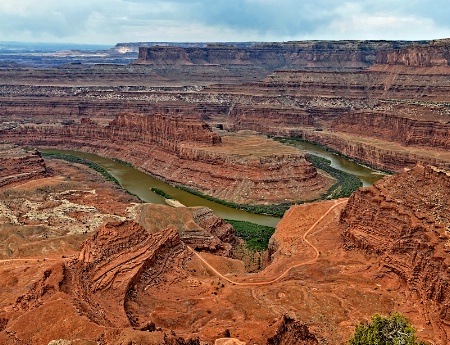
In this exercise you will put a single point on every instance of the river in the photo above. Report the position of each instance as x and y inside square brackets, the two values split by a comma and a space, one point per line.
[140, 184]
[367, 175]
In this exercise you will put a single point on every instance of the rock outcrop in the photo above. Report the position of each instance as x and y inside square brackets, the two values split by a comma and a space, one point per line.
[301, 54]
[404, 220]
[97, 288]
[110, 264]
[198, 227]
[242, 169]
[292, 332]
[435, 54]
[17, 165]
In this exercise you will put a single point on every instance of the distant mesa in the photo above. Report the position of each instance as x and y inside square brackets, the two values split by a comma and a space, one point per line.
[296, 54]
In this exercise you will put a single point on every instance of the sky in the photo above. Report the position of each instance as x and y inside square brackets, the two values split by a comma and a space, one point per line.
[112, 21]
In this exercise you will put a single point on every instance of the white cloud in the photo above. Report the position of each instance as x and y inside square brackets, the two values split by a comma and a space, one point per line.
[111, 21]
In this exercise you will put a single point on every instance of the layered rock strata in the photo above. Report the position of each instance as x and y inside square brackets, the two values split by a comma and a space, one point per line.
[112, 262]
[17, 165]
[437, 53]
[186, 151]
[303, 54]
[402, 98]
[404, 220]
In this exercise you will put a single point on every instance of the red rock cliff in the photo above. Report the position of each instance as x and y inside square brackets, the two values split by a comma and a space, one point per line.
[405, 221]
[16, 165]
[303, 54]
[186, 151]
[435, 54]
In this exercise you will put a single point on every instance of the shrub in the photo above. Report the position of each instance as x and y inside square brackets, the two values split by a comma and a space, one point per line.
[392, 330]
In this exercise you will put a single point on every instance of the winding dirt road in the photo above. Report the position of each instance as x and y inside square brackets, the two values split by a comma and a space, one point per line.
[282, 275]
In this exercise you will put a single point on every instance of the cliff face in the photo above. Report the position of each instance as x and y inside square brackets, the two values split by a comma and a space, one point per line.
[113, 261]
[16, 165]
[405, 221]
[396, 129]
[302, 54]
[186, 151]
[435, 54]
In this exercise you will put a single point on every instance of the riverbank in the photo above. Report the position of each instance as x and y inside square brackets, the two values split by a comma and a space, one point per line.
[139, 183]
[160, 190]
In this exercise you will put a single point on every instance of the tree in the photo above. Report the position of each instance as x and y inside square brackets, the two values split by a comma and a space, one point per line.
[392, 330]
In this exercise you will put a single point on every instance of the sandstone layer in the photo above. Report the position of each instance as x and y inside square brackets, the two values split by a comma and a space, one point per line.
[404, 221]
[16, 165]
[242, 169]
[303, 54]
[392, 114]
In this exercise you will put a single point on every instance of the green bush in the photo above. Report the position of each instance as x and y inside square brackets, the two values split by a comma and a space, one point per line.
[392, 330]
[256, 236]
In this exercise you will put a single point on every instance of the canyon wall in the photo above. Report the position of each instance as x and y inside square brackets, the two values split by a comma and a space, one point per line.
[437, 53]
[186, 151]
[398, 129]
[391, 115]
[17, 165]
[301, 54]
[405, 221]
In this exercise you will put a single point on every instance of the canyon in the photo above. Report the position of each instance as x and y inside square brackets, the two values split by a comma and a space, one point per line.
[399, 90]
[244, 169]
[124, 271]
[90, 264]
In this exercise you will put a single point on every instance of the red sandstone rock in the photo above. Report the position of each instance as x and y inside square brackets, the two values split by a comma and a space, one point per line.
[404, 220]
[435, 54]
[186, 151]
[16, 165]
[303, 54]
[292, 332]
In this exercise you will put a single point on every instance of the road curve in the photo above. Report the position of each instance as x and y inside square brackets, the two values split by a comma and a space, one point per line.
[207, 264]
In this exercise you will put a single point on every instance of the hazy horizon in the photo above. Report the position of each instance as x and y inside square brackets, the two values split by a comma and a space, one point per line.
[108, 22]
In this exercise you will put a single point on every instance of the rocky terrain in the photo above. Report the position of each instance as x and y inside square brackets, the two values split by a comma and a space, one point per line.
[327, 92]
[82, 262]
[404, 220]
[17, 165]
[182, 150]
[90, 264]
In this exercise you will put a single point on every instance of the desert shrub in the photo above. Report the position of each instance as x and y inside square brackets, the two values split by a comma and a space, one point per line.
[392, 330]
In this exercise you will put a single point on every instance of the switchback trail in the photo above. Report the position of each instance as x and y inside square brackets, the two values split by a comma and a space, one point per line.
[317, 254]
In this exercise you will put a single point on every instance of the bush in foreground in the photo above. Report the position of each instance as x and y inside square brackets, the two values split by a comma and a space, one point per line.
[392, 330]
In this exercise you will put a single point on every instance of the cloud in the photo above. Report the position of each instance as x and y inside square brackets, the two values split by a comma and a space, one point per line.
[112, 21]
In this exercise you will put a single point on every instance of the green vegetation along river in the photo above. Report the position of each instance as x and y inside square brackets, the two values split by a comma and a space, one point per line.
[367, 175]
[140, 183]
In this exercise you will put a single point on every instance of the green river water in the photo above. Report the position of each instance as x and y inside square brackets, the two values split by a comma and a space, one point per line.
[140, 184]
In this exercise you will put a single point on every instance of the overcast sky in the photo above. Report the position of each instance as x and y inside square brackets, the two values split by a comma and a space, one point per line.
[113, 21]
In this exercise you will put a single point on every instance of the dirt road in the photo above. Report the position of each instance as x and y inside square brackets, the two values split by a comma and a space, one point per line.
[283, 274]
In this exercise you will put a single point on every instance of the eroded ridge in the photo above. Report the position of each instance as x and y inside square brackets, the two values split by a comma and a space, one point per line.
[404, 220]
